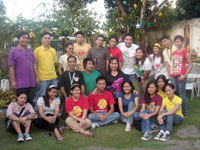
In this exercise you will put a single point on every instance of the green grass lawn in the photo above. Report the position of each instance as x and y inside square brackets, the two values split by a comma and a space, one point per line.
[112, 135]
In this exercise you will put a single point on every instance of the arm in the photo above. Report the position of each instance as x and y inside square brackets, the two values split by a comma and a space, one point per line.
[57, 110]
[168, 69]
[12, 77]
[63, 92]
[60, 69]
[120, 106]
[146, 75]
[42, 115]
[120, 65]
[83, 89]
[36, 74]
[173, 111]
[110, 111]
[107, 62]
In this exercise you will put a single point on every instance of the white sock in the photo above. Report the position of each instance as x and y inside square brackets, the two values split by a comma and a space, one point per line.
[167, 132]
[162, 131]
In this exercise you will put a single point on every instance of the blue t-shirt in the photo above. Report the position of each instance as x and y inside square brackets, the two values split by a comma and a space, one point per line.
[125, 102]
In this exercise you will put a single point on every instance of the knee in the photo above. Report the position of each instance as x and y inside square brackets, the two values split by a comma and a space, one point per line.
[136, 116]
[116, 114]
[92, 116]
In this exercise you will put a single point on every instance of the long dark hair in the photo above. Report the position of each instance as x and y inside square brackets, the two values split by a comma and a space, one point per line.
[110, 61]
[144, 55]
[46, 96]
[147, 97]
[20, 92]
[162, 77]
[130, 83]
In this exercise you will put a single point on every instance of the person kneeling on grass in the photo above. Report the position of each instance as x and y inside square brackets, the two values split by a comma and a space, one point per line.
[77, 107]
[49, 107]
[151, 103]
[128, 104]
[99, 103]
[170, 113]
[20, 115]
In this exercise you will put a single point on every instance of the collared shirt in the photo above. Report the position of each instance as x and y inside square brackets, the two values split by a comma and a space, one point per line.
[15, 108]
[23, 62]
[46, 60]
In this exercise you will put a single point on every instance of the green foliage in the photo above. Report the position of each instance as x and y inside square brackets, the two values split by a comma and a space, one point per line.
[187, 9]
[6, 97]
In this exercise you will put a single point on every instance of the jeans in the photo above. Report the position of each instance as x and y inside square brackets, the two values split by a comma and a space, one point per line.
[146, 124]
[169, 121]
[180, 88]
[135, 116]
[43, 87]
[112, 117]
[131, 77]
[30, 93]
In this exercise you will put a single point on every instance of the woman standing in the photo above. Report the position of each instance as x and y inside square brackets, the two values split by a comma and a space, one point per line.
[170, 113]
[151, 103]
[180, 58]
[77, 108]
[20, 115]
[49, 107]
[128, 104]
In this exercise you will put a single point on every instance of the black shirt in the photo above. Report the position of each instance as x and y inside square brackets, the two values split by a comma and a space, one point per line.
[110, 79]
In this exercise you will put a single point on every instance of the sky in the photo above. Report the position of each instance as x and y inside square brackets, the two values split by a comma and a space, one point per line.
[31, 8]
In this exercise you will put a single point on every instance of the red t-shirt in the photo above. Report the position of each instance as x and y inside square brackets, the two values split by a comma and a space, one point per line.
[116, 52]
[77, 107]
[155, 101]
[100, 102]
[179, 62]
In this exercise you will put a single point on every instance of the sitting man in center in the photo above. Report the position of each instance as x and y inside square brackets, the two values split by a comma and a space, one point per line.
[99, 105]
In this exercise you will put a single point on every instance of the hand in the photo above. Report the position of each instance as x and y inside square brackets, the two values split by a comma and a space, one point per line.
[14, 85]
[150, 58]
[82, 123]
[102, 118]
[135, 92]
[50, 119]
[160, 121]
[37, 81]
[94, 92]
[125, 115]
[146, 116]
[181, 78]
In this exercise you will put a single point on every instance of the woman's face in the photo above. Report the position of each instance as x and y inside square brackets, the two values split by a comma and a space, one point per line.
[152, 89]
[127, 88]
[139, 54]
[113, 65]
[156, 50]
[178, 43]
[169, 91]
[76, 92]
[161, 83]
[69, 49]
[21, 99]
[53, 93]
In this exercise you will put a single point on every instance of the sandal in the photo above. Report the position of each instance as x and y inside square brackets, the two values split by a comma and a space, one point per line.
[60, 139]
[91, 134]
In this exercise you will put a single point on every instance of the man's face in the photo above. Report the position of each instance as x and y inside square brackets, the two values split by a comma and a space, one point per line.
[23, 40]
[128, 41]
[101, 85]
[165, 42]
[46, 39]
[89, 66]
[72, 63]
[113, 43]
[79, 38]
[99, 42]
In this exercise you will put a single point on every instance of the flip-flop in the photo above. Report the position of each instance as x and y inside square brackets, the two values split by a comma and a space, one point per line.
[91, 134]
[60, 139]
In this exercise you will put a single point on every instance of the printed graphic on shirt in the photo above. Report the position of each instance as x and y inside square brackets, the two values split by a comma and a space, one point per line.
[76, 79]
[102, 104]
[151, 107]
[177, 64]
[77, 110]
[139, 70]
[81, 54]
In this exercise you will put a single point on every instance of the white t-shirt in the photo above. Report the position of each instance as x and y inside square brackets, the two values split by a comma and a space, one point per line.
[147, 65]
[52, 107]
[63, 61]
[159, 68]
[128, 54]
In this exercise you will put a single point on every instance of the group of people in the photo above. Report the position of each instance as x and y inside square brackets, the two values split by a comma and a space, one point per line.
[97, 86]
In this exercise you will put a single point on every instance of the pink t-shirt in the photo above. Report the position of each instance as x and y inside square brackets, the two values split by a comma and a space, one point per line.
[179, 62]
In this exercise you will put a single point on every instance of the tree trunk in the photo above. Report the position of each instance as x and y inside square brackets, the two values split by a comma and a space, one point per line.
[142, 29]
[121, 8]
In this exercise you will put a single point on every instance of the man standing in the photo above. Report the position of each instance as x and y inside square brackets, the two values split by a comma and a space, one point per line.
[46, 59]
[99, 55]
[115, 51]
[102, 105]
[81, 49]
[22, 67]
[167, 53]
[128, 50]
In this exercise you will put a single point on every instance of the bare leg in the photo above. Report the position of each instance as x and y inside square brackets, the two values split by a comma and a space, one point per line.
[17, 127]
[27, 126]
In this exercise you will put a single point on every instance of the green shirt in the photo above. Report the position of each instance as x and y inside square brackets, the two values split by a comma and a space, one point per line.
[90, 81]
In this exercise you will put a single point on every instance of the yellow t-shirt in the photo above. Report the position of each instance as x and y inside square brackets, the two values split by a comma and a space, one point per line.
[81, 51]
[162, 94]
[169, 105]
[167, 54]
[46, 60]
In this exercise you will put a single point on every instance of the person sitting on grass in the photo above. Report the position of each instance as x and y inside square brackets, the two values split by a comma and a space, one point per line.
[77, 107]
[99, 105]
[151, 103]
[170, 113]
[161, 83]
[128, 104]
[49, 107]
[20, 115]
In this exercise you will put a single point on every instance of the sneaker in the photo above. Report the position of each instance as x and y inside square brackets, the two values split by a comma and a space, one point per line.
[20, 138]
[27, 137]
[128, 127]
[158, 136]
[146, 136]
[115, 121]
[165, 137]
[94, 125]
